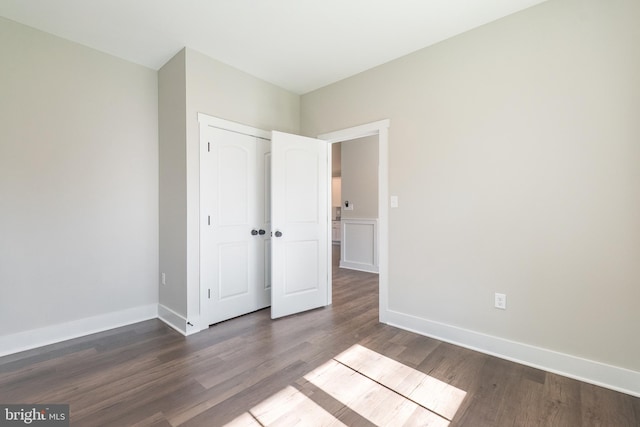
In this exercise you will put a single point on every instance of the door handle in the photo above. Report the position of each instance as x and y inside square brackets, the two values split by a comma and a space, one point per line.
[278, 233]
[254, 232]
[261, 232]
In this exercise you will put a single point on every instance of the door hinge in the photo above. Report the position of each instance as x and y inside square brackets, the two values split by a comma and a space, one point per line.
[208, 219]
[209, 293]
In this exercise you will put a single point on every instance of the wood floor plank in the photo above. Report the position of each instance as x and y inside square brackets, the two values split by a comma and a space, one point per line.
[523, 408]
[603, 407]
[365, 396]
[224, 406]
[417, 351]
[149, 375]
[290, 406]
[554, 402]
[434, 395]
[155, 420]
[636, 410]
[454, 365]
[340, 411]
[493, 386]
[522, 394]
[561, 402]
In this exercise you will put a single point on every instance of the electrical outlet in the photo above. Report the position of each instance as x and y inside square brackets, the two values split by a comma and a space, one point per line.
[164, 279]
[501, 301]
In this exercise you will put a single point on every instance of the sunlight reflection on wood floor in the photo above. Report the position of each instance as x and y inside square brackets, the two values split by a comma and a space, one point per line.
[359, 384]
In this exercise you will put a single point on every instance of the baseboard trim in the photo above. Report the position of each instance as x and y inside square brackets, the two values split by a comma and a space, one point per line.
[177, 321]
[359, 267]
[27, 340]
[589, 371]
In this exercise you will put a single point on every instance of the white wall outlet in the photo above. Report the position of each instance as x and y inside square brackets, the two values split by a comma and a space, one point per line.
[394, 201]
[347, 206]
[501, 301]
[164, 279]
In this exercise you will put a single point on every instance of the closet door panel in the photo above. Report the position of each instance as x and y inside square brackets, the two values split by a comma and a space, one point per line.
[300, 214]
[232, 248]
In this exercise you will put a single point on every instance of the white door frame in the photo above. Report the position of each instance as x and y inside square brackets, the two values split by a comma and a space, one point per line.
[380, 128]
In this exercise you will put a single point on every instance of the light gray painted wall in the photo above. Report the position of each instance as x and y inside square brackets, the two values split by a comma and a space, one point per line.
[336, 159]
[78, 182]
[219, 90]
[360, 177]
[514, 152]
[172, 119]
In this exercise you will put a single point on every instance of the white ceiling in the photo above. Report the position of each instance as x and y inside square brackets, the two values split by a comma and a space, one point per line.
[300, 45]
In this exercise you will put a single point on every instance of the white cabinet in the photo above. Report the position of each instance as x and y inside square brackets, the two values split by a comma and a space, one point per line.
[336, 232]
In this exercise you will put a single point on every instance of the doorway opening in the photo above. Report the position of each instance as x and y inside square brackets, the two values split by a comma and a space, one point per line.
[354, 203]
[380, 130]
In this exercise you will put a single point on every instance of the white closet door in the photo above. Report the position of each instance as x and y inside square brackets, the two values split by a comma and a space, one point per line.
[299, 197]
[232, 201]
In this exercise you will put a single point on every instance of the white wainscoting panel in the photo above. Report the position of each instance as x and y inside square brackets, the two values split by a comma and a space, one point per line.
[359, 249]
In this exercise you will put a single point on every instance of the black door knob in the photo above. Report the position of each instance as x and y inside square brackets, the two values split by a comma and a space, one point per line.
[278, 234]
[254, 232]
[261, 232]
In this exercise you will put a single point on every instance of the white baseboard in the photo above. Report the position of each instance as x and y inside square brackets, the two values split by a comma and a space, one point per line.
[177, 321]
[589, 371]
[369, 268]
[34, 338]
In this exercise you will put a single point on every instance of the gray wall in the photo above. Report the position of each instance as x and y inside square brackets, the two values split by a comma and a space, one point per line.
[172, 121]
[78, 182]
[514, 152]
[336, 159]
[360, 177]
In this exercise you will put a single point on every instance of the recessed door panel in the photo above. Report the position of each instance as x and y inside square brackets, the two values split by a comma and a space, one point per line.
[301, 268]
[233, 267]
[301, 186]
[235, 187]
[266, 212]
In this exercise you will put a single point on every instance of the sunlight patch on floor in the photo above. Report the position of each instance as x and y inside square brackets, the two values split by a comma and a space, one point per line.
[431, 393]
[376, 403]
[291, 407]
[381, 390]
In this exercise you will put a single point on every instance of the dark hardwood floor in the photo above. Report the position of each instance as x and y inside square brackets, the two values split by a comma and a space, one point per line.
[255, 371]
